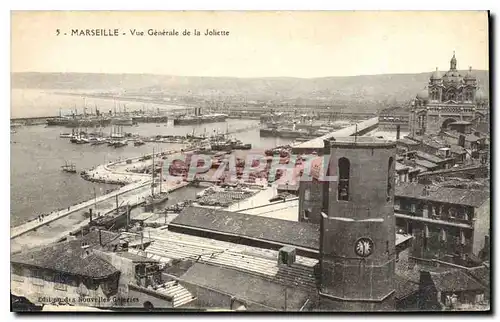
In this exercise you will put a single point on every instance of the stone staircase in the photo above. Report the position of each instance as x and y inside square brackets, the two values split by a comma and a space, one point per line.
[180, 294]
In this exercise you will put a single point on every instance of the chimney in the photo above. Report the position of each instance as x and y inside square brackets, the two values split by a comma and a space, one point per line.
[90, 212]
[100, 238]
[461, 141]
[326, 190]
[398, 131]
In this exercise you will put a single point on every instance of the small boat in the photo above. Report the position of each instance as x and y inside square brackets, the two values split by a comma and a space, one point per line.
[82, 141]
[139, 143]
[119, 144]
[65, 135]
[98, 141]
[69, 168]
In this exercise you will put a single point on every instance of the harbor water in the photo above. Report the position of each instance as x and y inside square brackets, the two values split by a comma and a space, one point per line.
[37, 153]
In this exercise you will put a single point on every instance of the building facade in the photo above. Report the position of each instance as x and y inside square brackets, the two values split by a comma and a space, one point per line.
[448, 98]
[447, 223]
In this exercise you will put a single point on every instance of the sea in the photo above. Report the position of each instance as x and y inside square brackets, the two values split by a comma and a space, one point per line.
[37, 184]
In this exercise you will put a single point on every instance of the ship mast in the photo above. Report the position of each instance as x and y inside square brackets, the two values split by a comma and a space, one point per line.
[153, 175]
[161, 177]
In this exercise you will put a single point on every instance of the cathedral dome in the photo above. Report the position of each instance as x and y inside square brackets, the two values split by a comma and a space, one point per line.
[469, 75]
[452, 76]
[436, 75]
[480, 96]
[423, 95]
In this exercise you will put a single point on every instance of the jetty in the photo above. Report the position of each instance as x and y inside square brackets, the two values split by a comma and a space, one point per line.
[136, 188]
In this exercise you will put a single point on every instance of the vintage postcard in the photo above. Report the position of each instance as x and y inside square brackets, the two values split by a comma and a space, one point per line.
[250, 161]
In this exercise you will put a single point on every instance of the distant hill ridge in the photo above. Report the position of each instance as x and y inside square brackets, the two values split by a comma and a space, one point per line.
[364, 88]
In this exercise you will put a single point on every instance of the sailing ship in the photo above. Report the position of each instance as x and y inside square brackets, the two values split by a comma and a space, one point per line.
[69, 167]
[113, 220]
[155, 198]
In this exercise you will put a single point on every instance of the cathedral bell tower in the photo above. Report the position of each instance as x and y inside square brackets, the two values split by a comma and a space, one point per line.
[357, 230]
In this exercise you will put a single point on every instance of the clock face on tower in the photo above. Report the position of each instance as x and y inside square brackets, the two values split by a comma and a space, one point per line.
[363, 247]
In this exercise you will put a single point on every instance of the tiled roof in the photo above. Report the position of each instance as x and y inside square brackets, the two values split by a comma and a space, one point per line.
[457, 149]
[244, 286]
[429, 157]
[282, 231]
[404, 287]
[426, 164]
[68, 257]
[481, 273]
[472, 138]
[455, 281]
[466, 197]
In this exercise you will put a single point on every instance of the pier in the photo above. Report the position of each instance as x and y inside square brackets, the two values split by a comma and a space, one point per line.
[359, 129]
[137, 187]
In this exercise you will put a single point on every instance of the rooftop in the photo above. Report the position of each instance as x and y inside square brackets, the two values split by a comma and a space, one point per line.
[466, 197]
[263, 228]
[404, 287]
[426, 164]
[179, 249]
[68, 257]
[481, 273]
[429, 157]
[454, 281]
[246, 287]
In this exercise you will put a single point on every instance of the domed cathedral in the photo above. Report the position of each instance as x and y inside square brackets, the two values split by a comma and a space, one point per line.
[447, 99]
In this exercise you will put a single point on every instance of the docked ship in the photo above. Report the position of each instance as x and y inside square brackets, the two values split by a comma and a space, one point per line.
[286, 132]
[113, 220]
[230, 144]
[199, 118]
[79, 121]
[156, 197]
[124, 121]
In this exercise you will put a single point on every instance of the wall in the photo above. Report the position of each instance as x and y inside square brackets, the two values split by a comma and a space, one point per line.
[210, 298]
[481, 227]
[45, 290]
[314, 203]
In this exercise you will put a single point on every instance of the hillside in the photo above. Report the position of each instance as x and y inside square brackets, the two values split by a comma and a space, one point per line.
[388, 88]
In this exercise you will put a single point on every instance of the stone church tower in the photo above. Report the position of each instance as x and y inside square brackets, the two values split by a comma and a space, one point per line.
[357, 229]
[448, 98]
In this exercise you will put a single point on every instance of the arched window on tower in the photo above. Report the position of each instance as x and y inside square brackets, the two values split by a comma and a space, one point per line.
[344, 174]
[390, 175]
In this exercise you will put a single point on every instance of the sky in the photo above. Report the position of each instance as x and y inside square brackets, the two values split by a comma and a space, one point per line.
[259, 44]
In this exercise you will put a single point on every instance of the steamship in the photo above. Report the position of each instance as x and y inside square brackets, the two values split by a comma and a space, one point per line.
[199, 118]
